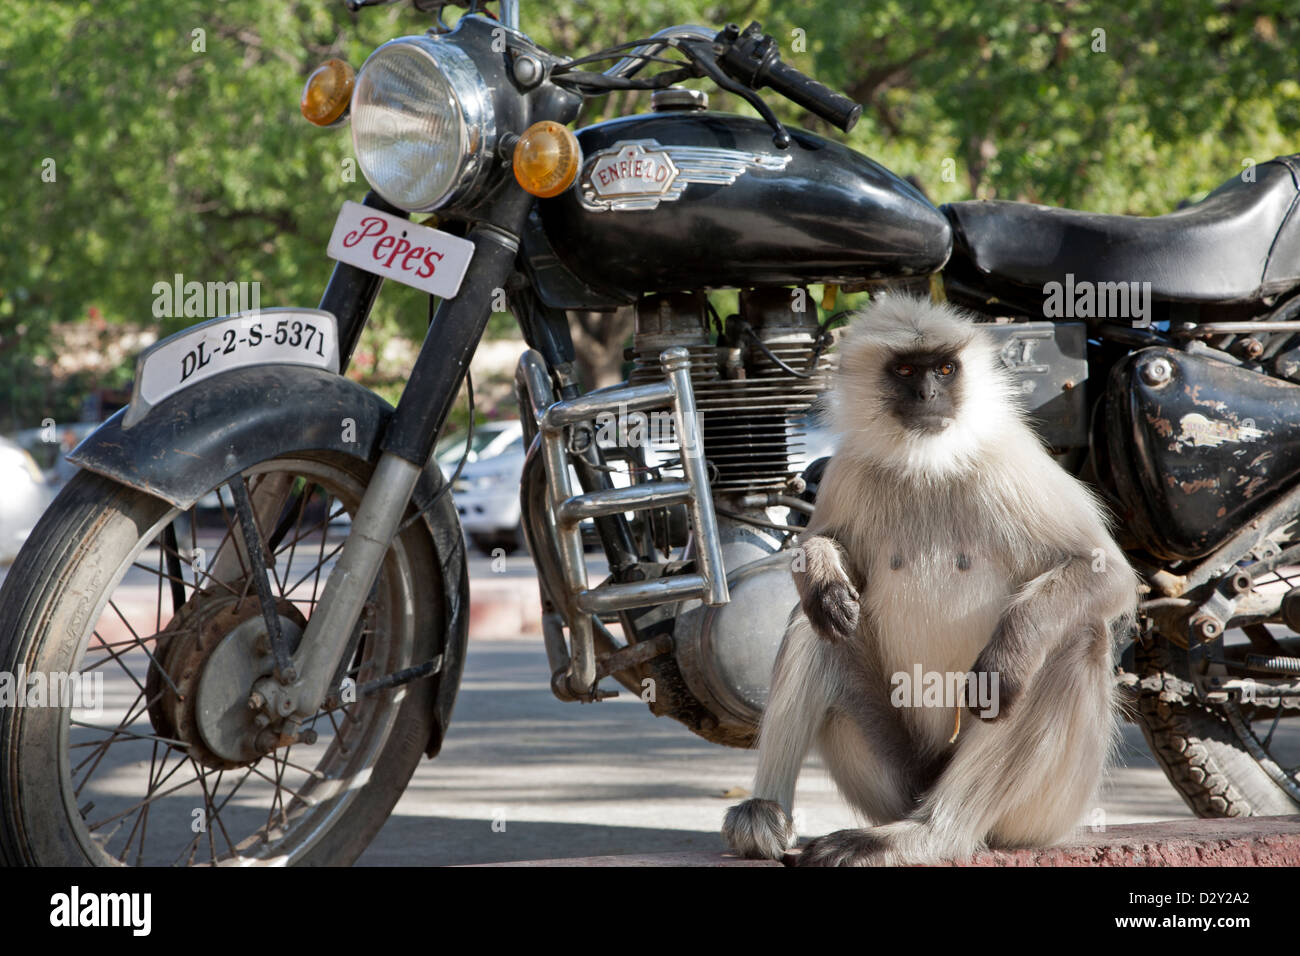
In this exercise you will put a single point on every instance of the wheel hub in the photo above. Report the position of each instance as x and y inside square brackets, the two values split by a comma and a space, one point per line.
[213, 652]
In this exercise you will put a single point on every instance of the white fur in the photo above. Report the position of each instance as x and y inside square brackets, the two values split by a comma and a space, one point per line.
[907, 508]
[862, 422]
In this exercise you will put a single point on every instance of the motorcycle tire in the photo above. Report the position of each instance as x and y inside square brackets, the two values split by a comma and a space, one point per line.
[60, 593]
[1203, 758]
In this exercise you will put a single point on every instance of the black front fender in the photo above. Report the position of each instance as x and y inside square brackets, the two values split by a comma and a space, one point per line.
[196, 439]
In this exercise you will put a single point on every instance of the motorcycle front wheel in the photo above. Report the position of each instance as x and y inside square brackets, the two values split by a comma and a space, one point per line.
[147, 620]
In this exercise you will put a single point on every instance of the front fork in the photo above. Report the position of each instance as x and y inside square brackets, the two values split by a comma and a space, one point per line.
[408, 442]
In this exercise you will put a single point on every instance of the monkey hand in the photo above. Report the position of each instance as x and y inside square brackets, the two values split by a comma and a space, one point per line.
[826, 594]
[832, 609]
[992, 689]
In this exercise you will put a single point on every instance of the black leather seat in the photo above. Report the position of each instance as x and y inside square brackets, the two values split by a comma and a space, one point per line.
[1239, 244]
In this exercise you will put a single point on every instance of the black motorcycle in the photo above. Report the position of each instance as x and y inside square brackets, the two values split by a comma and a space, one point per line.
[262, 557]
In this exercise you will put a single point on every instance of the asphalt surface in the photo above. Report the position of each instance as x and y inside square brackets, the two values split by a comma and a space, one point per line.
[523, 776]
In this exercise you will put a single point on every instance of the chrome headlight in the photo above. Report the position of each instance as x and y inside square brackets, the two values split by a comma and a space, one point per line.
[422, 122]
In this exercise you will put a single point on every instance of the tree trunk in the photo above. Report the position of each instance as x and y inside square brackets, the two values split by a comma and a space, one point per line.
[598, 342]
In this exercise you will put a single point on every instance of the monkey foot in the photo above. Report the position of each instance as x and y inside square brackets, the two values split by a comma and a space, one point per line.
[844, 848]
[758, 830]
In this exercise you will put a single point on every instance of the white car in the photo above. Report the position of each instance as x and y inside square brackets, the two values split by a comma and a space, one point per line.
[24, 494]
[487, 491]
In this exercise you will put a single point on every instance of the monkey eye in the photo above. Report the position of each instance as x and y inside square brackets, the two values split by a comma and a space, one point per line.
[904, 371]
[947, 368]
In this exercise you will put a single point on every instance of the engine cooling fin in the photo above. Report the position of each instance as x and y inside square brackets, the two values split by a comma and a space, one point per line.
[754, 410]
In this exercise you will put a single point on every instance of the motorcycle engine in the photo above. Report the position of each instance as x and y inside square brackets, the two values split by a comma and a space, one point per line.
[757, 377]
[755, 380]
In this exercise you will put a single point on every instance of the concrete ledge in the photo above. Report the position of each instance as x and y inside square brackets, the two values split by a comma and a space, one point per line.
[1242, 841]
[1249, 841]
[697, 858]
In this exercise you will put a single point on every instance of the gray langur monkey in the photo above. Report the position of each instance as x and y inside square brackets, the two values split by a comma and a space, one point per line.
[945, 541]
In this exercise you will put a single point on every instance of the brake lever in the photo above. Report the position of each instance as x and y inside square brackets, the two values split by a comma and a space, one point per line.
[705, 61]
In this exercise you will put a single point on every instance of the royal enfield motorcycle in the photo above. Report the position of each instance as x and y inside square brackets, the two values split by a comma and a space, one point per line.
[261, 555]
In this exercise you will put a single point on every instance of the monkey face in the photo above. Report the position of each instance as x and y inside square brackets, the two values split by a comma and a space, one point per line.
[920, 389]
[923, 389]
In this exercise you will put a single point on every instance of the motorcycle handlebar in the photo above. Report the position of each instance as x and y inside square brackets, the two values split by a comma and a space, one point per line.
[813, 96]
[754, 59]
[632, 64]
[748, 56]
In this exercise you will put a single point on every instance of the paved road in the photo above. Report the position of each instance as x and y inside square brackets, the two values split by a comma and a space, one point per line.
[523, 776]
[610, 778]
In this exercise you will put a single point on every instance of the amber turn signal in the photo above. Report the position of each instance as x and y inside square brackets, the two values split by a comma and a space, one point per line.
[546, 159]
[328, 92]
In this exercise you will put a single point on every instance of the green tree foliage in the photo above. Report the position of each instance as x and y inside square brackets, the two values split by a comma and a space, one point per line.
[147, 139]
[173, 141]
[1113, 106]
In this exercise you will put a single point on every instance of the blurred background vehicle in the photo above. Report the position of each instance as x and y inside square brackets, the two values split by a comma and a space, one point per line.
[24, 494]
[487, 491]
[50, 453]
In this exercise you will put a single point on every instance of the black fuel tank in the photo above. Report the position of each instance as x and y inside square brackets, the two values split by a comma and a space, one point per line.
[676, 201]
[1197, 447]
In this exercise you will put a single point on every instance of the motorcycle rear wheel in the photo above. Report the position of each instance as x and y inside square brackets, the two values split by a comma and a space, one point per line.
[86, 574]
[1205, 751]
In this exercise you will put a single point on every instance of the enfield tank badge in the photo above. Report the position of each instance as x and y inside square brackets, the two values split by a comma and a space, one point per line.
[640, 174]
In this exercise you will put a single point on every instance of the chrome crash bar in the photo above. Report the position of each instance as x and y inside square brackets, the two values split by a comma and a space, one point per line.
[566, 510]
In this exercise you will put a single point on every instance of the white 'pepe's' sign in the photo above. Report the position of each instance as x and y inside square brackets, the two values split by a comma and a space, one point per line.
[395, 248]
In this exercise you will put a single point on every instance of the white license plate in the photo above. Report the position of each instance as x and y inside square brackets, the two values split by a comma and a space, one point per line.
[294, 336]
[395, 248]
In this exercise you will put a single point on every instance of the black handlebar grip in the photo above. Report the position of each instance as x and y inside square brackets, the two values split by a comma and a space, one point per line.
[815, 97]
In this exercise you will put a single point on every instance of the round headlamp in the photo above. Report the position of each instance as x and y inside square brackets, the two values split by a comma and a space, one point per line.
[422, 122]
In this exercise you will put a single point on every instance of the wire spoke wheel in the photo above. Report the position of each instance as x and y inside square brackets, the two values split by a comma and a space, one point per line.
[1241, 756]
[1265, 719]
[155, 627]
